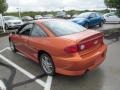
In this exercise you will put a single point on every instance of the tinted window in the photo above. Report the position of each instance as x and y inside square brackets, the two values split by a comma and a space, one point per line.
[110, 15]
[84, 15]
[26, 29]
[37, 31]
[63, 27]
[93, 15]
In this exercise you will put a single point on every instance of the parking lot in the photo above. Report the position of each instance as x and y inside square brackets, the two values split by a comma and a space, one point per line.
[27, 75]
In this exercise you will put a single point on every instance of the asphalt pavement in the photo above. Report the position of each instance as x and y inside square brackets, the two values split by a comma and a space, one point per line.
[27, 75]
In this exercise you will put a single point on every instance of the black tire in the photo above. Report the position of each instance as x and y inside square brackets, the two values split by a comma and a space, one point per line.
[104, 21]
[101, 23]
[86, 25]
[12, 46]
[46, 60]
[6, 27]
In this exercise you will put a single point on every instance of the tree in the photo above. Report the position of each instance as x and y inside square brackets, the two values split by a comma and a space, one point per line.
[113, 3]
[3, 6]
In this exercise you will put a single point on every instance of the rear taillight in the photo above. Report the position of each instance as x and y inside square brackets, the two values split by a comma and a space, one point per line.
[82, 47]
[72, 49]
[85, 44]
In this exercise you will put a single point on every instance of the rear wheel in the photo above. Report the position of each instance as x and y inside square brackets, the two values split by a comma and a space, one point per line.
[101, 23]
[47, 64]
[12, 46]
[86, 25]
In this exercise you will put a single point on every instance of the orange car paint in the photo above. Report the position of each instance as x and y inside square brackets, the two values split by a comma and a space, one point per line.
[65, 63]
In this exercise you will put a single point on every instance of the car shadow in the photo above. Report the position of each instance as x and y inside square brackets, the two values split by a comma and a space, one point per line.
[91, 81]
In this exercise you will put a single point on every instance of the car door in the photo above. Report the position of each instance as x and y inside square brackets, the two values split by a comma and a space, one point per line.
[107, 18]
[36, 40]
[110, 18]
[115, 18]
[93, 19]
[21, 38]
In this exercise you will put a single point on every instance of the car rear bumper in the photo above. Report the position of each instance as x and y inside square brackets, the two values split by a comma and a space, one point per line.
[77, 65]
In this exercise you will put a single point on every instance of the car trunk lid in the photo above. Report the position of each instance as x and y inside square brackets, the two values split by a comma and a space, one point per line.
[87, 41]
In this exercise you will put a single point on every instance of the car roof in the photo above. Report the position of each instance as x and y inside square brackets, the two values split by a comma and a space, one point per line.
[43, 20]
[109, 13]
[27, 16]
[53, 19]
[89, 12]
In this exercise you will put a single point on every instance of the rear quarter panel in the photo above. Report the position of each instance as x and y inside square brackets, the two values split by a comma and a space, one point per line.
[52, 45]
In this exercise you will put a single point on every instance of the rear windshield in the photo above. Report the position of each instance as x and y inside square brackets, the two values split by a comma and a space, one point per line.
[63, 27]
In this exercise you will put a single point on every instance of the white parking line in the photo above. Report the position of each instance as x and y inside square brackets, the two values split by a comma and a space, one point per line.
[22, 70]
[46, 85]
[4, 49]
[2, 85]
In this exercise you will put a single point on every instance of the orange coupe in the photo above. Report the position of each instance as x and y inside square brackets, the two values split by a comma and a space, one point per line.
[60, 46]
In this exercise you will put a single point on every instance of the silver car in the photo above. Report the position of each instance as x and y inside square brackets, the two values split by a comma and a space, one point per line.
[37, 17]
[12, 22]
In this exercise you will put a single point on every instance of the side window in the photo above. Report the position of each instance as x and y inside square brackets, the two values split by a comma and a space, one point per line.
[26, 30]
[93, 15]
[37, 31]
[107, 15]
[110, 15]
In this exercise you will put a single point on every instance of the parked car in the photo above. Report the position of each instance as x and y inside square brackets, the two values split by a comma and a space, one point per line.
[48, 16]
[27, 19]
[11, 22]
[61, 14]
[75, 15]
[88, 19]
[38, 17]
[60, 46]
[111, 18]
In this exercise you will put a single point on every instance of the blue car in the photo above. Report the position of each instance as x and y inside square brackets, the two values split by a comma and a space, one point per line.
[88, 19]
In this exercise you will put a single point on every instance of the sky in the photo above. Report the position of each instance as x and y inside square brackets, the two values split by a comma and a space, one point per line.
[48, 5]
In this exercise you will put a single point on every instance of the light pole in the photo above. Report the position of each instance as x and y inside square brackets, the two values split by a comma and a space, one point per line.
[19, 12]
[2, 22]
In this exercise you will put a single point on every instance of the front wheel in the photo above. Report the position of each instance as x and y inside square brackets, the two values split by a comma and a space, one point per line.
[101, 23]
[12, 46]
[47, 64]
[87, 25]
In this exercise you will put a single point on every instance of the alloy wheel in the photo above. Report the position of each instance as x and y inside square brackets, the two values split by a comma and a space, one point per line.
[47, 64]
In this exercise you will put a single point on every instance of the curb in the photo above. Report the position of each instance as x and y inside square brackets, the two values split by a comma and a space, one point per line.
[4, 34]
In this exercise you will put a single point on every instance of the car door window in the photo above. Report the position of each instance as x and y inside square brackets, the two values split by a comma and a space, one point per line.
[93, 15]
[38, 32]
[26, 30]
[109, 15]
